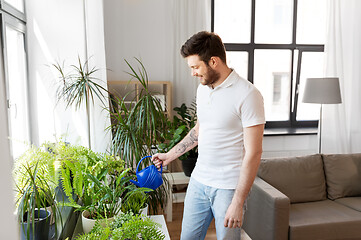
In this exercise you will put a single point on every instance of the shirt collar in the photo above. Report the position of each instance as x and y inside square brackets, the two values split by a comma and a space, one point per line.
[228, 81]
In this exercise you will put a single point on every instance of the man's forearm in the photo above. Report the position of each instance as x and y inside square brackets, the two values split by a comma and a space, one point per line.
[247, 175]
[187, 143]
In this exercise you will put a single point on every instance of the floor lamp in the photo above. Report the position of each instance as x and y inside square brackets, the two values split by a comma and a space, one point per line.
[322, 91]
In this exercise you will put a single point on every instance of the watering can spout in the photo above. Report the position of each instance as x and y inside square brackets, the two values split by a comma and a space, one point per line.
[136, 183]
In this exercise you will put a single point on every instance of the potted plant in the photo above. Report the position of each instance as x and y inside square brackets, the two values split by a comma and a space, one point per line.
[125, 226]
[138, 129]
[177, 130]
[33, 199]
[136, 203]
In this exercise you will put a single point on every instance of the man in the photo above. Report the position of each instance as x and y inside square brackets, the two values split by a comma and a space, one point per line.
[229, 136]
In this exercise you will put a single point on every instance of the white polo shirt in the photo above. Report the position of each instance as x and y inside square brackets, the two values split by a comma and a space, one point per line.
[222, 114]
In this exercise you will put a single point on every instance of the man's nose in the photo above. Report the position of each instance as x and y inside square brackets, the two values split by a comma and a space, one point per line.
[194, 73]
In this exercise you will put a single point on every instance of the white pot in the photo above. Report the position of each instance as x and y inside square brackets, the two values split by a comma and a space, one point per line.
[144, 211]
[88, 223]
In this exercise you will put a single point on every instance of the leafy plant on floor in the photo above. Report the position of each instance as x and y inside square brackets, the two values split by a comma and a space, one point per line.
[138, 129]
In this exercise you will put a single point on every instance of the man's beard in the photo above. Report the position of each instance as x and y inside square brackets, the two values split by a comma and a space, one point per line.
[212, 76]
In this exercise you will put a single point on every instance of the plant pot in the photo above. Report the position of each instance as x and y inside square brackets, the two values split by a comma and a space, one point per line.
[188, 165]
[41, 226]
[89, 223]
[144, 211]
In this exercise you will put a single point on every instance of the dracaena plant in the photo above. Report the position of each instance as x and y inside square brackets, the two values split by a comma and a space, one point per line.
[80, 85]
[139, 128]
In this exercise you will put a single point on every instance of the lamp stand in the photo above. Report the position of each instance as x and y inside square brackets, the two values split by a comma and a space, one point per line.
[320, 130]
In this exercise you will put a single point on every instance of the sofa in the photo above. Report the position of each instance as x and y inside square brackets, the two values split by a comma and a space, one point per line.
[309, 197]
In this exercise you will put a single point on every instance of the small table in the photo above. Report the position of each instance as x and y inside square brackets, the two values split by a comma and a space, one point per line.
[160, 219]
[174, 179]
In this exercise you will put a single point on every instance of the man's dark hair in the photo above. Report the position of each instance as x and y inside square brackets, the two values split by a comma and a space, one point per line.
[205, 45]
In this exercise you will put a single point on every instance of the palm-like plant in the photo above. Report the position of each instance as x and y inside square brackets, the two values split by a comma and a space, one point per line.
[138, 129]
[80, 86]
[141, 127]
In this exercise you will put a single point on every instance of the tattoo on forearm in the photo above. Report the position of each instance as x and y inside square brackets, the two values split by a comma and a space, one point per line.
[187, 142]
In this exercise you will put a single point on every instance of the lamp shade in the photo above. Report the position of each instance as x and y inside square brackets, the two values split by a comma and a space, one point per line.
[322, 90]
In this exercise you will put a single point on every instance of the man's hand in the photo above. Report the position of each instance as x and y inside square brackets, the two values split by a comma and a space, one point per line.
[233, 218]
[161, 159]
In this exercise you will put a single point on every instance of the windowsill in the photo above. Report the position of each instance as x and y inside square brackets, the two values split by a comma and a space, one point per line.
[290, 131]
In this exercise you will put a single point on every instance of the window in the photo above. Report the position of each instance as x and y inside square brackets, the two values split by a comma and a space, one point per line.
[275, 44]
[15, 78]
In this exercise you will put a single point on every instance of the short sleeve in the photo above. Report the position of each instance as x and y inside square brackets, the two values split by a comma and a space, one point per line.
[252, 109]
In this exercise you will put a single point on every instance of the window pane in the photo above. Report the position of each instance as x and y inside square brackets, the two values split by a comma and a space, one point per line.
[311, 22]
[272, 78]
[232, 20]
[311, 66]
[18, 4]
[239, 62]
[17, 84]
[273, 21]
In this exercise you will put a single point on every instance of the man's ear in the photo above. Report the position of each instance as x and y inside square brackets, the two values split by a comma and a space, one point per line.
[213, 62]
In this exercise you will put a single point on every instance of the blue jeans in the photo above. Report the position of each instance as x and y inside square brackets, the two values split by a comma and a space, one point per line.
[201, 205]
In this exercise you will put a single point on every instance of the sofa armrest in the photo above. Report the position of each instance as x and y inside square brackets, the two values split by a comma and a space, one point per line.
[267, 214]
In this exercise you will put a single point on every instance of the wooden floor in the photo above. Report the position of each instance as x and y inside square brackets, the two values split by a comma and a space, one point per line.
[174, 227]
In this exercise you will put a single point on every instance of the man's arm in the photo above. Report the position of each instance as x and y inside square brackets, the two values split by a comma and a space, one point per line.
[187, 143]
[253, 137]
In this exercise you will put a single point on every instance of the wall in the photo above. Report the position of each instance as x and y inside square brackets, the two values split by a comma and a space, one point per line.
[285, 146]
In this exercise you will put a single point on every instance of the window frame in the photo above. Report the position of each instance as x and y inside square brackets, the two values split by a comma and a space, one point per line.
[293, 46]
[18, 24]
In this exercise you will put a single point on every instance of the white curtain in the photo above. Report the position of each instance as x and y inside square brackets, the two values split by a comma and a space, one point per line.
[100, 138]
[189, 17]
[341, 131]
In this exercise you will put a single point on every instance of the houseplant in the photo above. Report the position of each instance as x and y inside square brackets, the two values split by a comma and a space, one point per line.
[177, 130]
[136, 203]
[138, 129]
[33, 199]
[125, 226]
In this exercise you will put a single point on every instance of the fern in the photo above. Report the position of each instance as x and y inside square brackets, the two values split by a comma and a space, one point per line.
[66, 183]
[77, 179]
[138, 228]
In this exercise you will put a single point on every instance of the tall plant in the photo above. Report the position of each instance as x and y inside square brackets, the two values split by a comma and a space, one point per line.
[138, 129]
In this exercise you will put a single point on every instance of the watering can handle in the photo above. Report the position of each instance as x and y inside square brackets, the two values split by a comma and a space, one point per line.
[161, 166]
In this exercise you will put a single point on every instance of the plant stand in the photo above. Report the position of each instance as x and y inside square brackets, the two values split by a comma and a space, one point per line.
[174, 179]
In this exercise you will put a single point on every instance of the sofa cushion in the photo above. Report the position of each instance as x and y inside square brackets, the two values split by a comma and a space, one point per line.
[343, 175]
[351, 202]
[324, 220]
[299, 178]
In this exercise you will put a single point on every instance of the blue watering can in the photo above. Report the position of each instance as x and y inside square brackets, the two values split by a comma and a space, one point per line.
[149, 177]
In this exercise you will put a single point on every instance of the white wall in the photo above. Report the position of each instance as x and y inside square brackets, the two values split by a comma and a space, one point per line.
[138, 29]
[286, 146]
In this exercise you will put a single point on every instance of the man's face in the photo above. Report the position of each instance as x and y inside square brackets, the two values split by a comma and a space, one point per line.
[204, 72]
